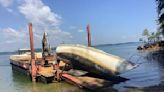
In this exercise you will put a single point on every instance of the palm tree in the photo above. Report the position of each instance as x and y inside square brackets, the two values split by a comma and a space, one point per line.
[153, 36]
[160, 7]
[157, 35]
[146, 34]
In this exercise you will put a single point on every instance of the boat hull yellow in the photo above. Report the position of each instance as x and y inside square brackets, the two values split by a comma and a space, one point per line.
[93, 60]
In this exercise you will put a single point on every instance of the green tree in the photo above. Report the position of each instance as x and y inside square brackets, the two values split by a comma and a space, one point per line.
[146, 34]
[152, 37]
[157, 35]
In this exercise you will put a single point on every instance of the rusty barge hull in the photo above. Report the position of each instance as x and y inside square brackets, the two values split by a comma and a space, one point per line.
[22, 64]
[20, 69]
[41, 76]
[90, 83]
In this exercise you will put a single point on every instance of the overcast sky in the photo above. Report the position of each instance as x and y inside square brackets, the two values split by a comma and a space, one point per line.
[111, 21]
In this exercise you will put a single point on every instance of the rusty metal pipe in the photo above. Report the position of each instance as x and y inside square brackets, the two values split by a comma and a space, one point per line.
[89, 35]
[31, 41]
[33, 65]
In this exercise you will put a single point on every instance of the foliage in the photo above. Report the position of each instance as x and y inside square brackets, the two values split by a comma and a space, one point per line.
[153, 36]
[145, 32]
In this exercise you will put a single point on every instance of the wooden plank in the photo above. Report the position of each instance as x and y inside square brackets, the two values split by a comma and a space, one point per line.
[46, 71]
[86, 82]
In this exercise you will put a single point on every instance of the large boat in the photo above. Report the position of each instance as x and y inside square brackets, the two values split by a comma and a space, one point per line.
[94, 61]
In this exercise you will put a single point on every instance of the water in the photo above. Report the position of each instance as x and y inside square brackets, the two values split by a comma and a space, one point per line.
[11, 81]
[149, 73]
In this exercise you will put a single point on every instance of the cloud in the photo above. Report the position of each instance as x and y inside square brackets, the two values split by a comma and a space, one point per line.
[80, 30]
[11, 39]
[40, 14]
[43, 20]
[6, 3]
[75, 28]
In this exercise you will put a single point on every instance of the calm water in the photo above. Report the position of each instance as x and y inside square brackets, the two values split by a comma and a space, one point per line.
[149, 73]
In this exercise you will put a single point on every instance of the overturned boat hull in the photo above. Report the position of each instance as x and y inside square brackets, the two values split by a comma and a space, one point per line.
[94, 61]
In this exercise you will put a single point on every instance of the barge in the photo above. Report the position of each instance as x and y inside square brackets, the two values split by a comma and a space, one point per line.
[49, 67]
[49, 74]
[22, 63]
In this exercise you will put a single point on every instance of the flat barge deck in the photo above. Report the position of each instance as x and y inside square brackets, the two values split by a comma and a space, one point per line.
[48, 68]
[49, 74]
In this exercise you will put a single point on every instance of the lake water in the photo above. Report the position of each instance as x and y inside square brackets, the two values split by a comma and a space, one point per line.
[150, 72]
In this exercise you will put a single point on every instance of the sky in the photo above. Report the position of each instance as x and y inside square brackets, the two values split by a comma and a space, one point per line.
[111, 21]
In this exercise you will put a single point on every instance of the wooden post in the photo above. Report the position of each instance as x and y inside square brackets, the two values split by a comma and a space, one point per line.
[89, 35]
[33, 66]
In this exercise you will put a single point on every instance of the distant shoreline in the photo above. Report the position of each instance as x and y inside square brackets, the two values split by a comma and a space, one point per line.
[115, 44]
[39, 49]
